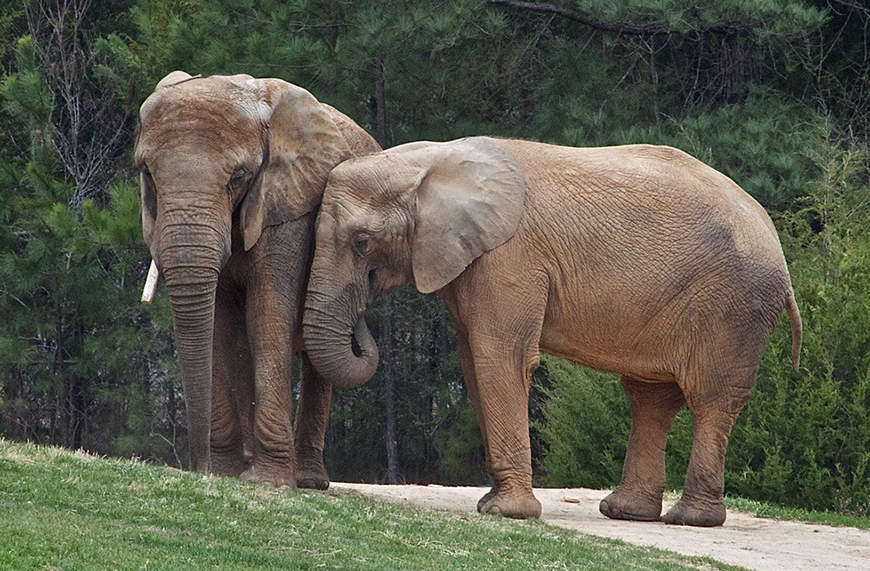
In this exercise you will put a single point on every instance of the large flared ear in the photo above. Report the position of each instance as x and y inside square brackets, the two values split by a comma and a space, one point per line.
[304, 145]
[470, 199]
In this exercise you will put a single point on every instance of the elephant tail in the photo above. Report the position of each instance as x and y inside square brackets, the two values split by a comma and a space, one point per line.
[794, 318]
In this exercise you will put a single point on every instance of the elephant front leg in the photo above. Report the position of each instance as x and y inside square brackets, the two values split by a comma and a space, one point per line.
[505, 413]
[466, 363]
[639, 494]
[500, 395]
[498, 337]
[310, 428]
[232, 390]
[270, 335]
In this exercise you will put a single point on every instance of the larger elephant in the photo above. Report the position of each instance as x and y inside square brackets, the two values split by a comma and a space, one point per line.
[637, 259]
[232, 172]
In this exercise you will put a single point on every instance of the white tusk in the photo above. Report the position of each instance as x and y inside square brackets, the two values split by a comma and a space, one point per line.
[150, 283]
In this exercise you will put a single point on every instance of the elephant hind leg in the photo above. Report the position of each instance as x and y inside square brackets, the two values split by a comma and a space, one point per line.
[653, 408]
[714, 411]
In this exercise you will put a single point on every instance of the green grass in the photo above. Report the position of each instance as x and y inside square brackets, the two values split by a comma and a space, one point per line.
[69, 511]
[761, 509]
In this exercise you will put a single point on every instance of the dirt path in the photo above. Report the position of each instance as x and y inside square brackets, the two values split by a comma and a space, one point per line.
[750, 542]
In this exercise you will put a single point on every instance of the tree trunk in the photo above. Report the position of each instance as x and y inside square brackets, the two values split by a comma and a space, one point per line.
[391, 436]
[386, 343]
[380, 101]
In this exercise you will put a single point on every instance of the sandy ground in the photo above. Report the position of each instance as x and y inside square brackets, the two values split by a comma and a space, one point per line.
[750, 542]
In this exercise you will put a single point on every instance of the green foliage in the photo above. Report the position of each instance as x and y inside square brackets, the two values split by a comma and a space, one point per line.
[73, 336]
[438, 439]
[766, 144]
[585, 425]
[460, 448]
[82, 361]
[772, 17]
[330, 48]
[803, 439]
[28, 101]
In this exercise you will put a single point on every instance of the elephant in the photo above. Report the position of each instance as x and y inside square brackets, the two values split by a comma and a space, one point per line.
[232, 171]
[638, 260]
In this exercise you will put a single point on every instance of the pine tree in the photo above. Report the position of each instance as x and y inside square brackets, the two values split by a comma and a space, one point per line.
[80, 358]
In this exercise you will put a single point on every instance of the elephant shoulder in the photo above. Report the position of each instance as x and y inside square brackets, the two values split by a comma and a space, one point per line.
[660, 152]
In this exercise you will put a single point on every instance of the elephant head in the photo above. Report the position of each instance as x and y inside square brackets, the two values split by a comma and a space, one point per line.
[222, 158]
[417, 213]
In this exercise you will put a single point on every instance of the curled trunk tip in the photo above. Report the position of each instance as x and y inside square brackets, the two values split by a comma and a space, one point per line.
[346, 357]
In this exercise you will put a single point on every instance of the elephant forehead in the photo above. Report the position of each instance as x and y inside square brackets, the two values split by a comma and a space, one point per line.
[255, 109]
[345, 217]
[374, 176]
[235, 94]
[208, 119]
[344, 208]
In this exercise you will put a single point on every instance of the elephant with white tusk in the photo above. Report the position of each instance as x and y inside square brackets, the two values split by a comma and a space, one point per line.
[637, 259]
[232, 173]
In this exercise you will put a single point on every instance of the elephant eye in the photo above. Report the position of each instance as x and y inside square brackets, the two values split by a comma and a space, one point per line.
[237, 177]
[361, 244]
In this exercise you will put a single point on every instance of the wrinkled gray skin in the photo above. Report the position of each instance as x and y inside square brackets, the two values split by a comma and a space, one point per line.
[233, 170]
[638, 260]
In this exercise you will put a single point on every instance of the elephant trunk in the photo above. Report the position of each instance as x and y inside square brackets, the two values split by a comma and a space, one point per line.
[338, 342]
[190, 268]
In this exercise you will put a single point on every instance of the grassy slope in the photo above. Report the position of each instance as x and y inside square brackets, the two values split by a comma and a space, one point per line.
[62, 511]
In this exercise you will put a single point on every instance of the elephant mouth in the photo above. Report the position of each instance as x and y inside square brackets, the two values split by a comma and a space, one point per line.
[355, 347]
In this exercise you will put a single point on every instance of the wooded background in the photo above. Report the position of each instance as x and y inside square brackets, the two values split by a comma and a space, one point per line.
[774, 93]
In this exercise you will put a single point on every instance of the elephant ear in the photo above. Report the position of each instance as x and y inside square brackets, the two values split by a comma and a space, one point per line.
[304, 144]
[471, 199]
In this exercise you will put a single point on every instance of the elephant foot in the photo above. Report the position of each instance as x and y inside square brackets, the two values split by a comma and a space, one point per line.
[700, 514]
[621, 504]
[311, 477]
[486, 497]
[517, 505]
[278, 477]
[232, 465]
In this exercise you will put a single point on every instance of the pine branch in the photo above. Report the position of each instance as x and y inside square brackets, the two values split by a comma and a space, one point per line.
[618, 28]
[624, 28]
